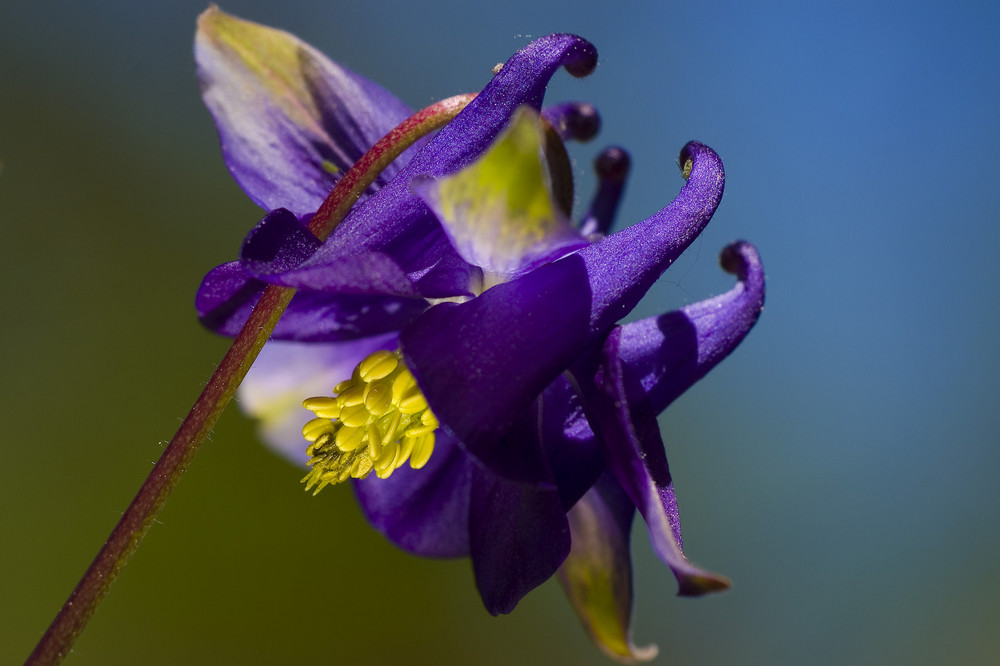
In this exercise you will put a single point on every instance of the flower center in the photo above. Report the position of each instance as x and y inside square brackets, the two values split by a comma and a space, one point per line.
[376, 420]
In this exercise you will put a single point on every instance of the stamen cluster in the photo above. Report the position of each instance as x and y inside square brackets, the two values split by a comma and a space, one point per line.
[376, 420]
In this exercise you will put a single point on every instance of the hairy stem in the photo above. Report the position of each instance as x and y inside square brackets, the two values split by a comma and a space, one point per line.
[137, 519]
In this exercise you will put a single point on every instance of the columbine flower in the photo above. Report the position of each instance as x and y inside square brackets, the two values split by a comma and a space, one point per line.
[464, 324]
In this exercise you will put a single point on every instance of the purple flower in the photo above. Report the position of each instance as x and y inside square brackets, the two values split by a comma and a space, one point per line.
[465, 324]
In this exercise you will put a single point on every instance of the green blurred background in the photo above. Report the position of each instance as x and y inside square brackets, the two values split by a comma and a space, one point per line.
[840, 467]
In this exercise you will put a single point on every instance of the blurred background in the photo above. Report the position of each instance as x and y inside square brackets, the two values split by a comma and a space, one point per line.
[840, 467]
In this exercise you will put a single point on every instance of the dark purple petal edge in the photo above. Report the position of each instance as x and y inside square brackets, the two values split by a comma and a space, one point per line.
[617, 409]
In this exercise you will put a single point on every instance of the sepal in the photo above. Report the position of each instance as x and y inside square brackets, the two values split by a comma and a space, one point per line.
[671, 352]
[621, 417]
[597, 573]
[290, 120]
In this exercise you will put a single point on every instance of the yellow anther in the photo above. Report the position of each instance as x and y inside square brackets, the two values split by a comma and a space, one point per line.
[418, 430]
[325, 408]
[402, 386]
[316, 427]
[378, 365]
[391, 428]
[422, 453]
[388, 456]
[349, 439]
[405, 449]
[374, 442]
[377, 421]
[354, 416]
[413, 404]
[355, 395]
[378, 399]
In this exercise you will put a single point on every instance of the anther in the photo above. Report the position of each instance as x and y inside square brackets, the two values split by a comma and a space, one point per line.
[376, 421]
[377, 366]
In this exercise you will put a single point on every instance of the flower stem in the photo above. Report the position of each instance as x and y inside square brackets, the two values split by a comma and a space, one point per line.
[135, 522]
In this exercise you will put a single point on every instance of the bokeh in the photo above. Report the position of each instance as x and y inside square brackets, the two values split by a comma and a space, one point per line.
[840, 467]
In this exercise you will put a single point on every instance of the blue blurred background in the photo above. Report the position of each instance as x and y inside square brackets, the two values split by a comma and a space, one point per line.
[840, 467]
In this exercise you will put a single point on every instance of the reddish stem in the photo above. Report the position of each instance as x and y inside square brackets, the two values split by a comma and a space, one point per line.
[137, 519]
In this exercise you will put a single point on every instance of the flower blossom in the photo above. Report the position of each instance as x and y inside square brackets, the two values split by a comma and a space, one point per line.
[485, 398]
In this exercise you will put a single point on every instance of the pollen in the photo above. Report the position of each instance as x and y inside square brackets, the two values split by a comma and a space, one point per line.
[376, 421]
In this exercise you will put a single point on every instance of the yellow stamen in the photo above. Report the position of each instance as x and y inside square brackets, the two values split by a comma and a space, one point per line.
[375, 421]
[422, 452]
[378, 365]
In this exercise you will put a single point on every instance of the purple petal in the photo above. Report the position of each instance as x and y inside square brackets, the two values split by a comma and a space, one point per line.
[481, 363]
[616, 406]
[597, 574]
[290, 121]
[226, 298]
[394, 221]
[275, 250]
[504, 347]
[278, 243]
[424, 511]
[570, 447]
[671, 352]
[519, 536]
[286, 373]
[229, 292]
